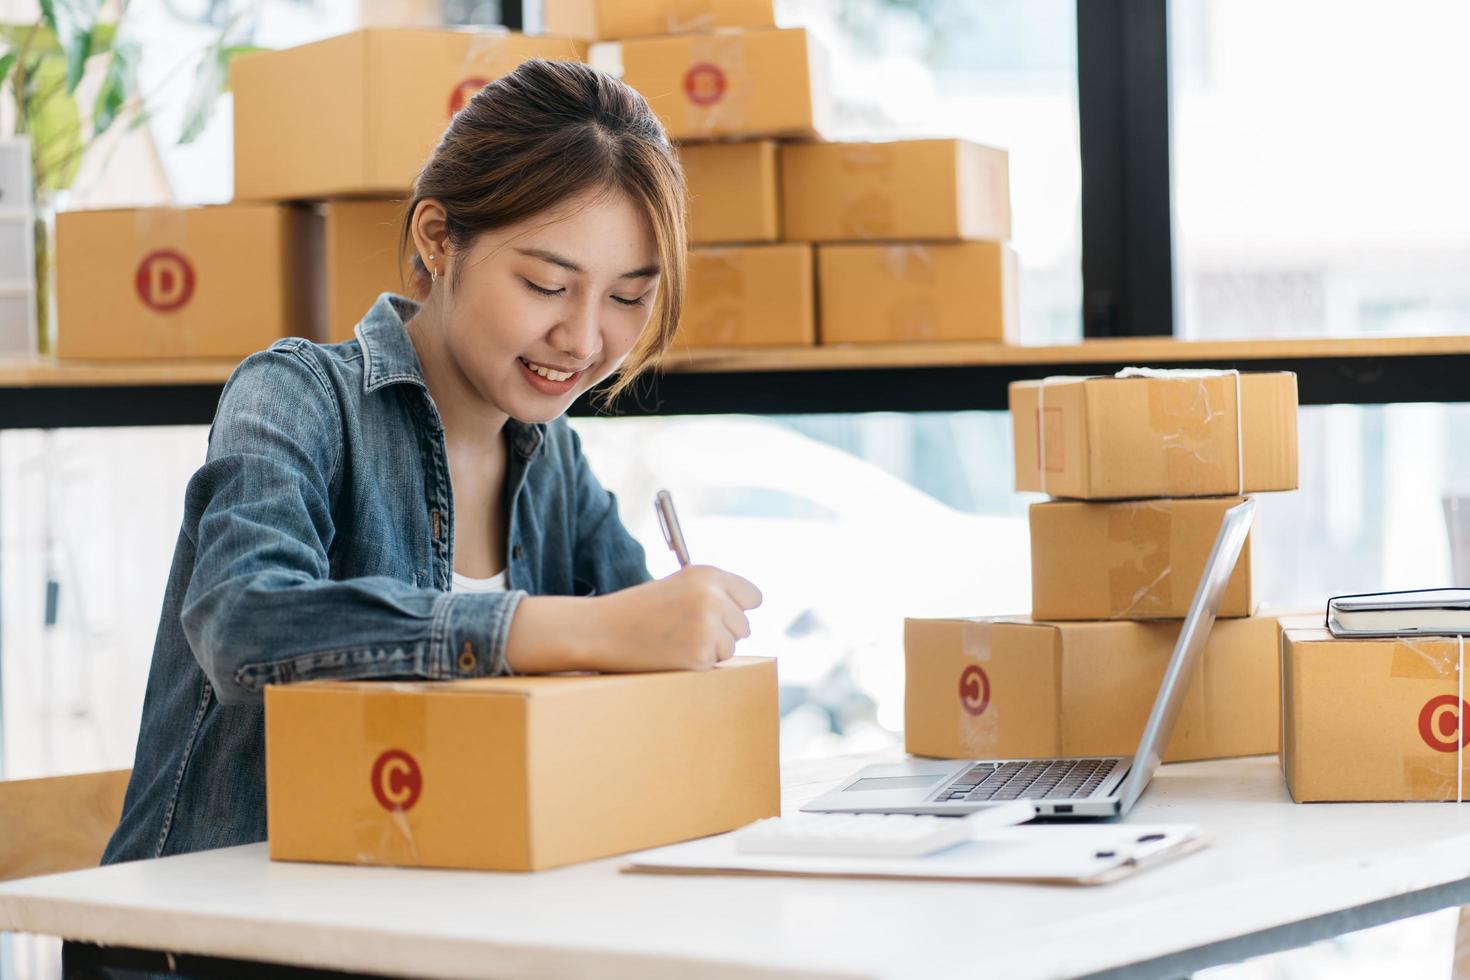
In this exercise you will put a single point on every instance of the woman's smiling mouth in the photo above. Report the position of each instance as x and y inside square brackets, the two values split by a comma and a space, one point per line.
[548, 379]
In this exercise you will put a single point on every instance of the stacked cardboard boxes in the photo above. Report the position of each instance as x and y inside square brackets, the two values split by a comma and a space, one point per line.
[328, 138]
[911, 238]
[906, 239]
[1146, 466]
[726, 83]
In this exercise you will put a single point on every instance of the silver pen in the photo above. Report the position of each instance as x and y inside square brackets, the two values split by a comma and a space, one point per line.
[663, 503]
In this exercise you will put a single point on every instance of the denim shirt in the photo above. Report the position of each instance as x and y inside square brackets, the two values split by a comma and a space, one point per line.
[317, 543]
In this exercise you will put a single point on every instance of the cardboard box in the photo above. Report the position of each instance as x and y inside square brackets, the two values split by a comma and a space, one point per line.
[942, 190]
[749, 296]
[732, 192]
[753, 83]
[1370, 719]
[361, 113]
[518, 773]
[881, 293]
[1164, 436]
[1016, 689]
[220, 282]
[1131, 559]
[608, 20]
[360, 260]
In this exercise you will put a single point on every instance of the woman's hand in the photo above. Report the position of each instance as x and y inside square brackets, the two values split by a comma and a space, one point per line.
[690, 620]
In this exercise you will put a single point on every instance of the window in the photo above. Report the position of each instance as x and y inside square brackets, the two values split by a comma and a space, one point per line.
[1001, 73]
[1319, 167]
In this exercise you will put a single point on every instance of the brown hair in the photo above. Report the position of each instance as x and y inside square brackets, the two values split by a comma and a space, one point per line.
[541, 135]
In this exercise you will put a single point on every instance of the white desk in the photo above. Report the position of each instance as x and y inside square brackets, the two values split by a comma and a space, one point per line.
[1276, 875]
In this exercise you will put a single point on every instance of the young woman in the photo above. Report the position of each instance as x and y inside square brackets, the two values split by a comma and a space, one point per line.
[412, 504]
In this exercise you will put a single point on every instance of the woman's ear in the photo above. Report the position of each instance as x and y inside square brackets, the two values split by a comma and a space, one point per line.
[431, 234]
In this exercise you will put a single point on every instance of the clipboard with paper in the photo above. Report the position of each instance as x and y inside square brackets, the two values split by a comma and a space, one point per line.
[1071, 854]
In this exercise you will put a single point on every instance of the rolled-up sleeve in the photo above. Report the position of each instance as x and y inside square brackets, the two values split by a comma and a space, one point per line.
[260, 607]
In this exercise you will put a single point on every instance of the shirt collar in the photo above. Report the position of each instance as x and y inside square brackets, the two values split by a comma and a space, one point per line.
[389, 358]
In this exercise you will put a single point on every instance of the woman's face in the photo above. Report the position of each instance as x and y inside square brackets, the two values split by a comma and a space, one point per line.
[537, 313]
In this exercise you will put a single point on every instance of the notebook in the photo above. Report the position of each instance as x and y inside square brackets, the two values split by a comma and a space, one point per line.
[1086, 854]
[1441, 612]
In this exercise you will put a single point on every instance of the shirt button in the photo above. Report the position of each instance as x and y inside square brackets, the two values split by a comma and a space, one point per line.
[467, 658]
[515, 552]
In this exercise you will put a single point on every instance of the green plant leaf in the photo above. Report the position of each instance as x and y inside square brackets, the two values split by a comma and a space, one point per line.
[7, 61]
[18, 35]
[77, 53]
[73, 23]
[48, 14]
[209, 81]
[102, 37]
[55, 127]
[119, 84]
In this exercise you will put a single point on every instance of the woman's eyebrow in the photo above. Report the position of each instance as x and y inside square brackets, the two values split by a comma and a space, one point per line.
[645, 272]
[552, 257]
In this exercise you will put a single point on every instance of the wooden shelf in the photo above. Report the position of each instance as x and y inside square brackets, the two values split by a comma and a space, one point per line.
[1140, 351]
[38, 393]
[49, 373]
[38, 372]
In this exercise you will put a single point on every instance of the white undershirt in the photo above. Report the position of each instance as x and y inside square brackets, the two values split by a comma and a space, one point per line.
[495, 583]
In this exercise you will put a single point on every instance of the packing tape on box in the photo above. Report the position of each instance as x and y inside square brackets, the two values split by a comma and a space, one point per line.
[721, 282]
[483, 60]
[977, 714]
[165, 279]
[1167, 374]
[915, 318]
[715, 88]
[869, 215]
[689, 17]
[1140, 585]
[1416, 661]
[1041, 457]
[395, 731]
[1164, 374]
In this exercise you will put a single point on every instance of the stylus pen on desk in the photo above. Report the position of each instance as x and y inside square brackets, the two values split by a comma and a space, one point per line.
[669, 521]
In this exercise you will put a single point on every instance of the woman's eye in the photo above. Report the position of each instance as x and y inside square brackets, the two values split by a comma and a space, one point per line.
[628, 302]
[542, 289]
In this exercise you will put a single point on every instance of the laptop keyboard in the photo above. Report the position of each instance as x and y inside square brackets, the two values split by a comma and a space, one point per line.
[1052, 779]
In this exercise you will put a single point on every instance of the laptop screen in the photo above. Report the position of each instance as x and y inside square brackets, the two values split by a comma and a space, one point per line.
[1193, 637]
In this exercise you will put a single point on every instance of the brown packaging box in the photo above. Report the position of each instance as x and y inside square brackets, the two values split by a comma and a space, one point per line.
[751, 83]
[360, 113]
[732, 192]
[749, 296]
[1016, 689]
[1174, 436]
[518, 773]
[1131, 559]
[1366, 720]
[883, 293]
[360, 259]
[221, 282]
[609, 20]
[939, 190]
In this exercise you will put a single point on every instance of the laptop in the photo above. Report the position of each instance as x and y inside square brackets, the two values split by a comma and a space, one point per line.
[1090, 787]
